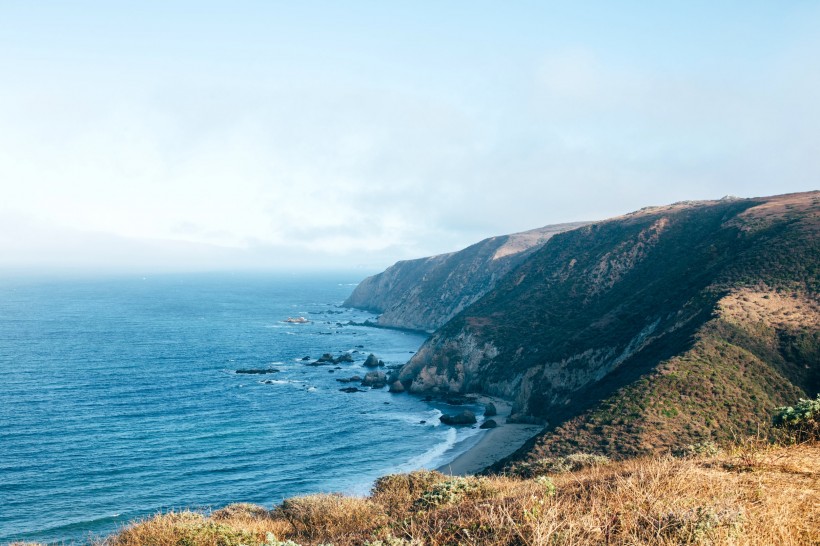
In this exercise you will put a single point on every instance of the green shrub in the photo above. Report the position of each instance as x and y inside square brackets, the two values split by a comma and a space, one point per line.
[547, 484]
[802, 420]
[700, 525]
[241, 510]
[453, 491]
[558, 465]
[701, 449]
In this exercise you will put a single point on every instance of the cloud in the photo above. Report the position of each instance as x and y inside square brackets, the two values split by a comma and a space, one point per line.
[312, 166]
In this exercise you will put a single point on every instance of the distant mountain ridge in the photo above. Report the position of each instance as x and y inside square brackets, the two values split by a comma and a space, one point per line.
[425, 293]
[667, 326]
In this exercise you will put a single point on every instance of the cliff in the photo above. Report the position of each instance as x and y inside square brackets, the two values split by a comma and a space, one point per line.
[667, 326]
[424, 294]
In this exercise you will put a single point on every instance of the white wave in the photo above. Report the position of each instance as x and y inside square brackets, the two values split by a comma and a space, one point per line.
[432, 455]
[282, 381]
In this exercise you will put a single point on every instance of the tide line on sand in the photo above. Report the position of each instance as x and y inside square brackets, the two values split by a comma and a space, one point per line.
[494, 445]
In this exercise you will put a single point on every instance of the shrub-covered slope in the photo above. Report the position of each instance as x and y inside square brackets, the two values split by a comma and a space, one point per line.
[649, 331]
[423, 294]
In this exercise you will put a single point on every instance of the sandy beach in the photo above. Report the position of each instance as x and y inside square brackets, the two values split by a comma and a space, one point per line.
[495, 443]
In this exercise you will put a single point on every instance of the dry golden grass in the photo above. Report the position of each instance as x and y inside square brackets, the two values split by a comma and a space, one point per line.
[770, 307]
[324, 517]
[751, 494]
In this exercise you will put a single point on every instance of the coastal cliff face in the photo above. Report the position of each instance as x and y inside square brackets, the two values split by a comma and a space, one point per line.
[667, 326]
[424, 294]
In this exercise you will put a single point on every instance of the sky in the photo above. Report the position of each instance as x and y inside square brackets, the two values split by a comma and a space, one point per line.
[203, 135]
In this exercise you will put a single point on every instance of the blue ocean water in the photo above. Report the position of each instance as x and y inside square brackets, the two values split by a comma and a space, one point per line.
[119, 399]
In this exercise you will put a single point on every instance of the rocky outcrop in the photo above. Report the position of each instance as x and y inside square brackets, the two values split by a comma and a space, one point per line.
[375, 380]
[327, 359]
[466, 417]
[585, 330]
[372, 361]
[423, 294]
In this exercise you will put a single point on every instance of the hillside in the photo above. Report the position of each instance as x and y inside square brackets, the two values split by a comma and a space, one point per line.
[664, 327]
[425, 293]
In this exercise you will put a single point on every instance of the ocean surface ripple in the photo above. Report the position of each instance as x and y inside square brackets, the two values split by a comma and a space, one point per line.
[119, 399]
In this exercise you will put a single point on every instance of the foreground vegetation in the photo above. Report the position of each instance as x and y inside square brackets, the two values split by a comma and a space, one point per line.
[753, 493]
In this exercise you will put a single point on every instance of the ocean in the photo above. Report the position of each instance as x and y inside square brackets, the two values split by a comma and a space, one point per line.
[119, 399]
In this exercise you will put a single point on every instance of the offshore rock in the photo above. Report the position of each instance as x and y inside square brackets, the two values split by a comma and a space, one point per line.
[375, 380]
[372, 361]
[466, 417]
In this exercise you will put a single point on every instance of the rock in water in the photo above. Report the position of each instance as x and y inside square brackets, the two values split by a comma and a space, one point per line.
[372, 361]
[396, 387]
[375, 380]
[490, 410]
[466, 417]
[489, 423]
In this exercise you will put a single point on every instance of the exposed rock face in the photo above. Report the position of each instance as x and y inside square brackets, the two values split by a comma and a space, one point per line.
[632, 335]
[396, 387]
[423, 294]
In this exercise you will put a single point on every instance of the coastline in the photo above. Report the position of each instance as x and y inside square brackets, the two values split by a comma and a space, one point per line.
[494, 444]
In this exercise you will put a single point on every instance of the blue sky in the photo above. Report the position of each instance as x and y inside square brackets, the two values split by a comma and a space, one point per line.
[200, 135]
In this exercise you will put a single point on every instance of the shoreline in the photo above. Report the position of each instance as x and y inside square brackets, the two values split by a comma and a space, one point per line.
[494, 444]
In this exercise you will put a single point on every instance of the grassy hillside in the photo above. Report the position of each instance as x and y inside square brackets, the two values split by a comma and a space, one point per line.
[752, 494]
[647, 332]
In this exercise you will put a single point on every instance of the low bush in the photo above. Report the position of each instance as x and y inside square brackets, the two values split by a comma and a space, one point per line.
[558, 465]
[453, 491]
[182, 529]
[241, 510]
[801, 421]
[397, 492]
[327, 515]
